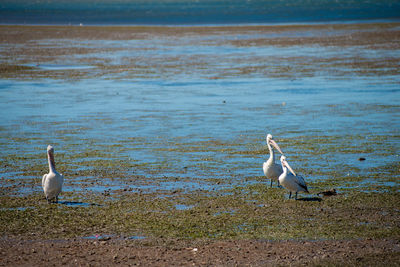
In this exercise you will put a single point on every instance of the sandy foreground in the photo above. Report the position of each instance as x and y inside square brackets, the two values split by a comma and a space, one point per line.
[218, 253]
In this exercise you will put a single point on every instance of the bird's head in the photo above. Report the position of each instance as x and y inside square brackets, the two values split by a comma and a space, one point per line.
[50, 149]
[286, 164]
[271, 141]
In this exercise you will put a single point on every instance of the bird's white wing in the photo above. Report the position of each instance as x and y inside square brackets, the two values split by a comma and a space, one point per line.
[44, 179]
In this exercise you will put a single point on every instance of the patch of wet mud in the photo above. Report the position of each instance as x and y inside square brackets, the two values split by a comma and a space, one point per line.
[77, 204]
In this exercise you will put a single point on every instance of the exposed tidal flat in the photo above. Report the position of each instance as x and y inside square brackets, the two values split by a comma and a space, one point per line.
[160, 132]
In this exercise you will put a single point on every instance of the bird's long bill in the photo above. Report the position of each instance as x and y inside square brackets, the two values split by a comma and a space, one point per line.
[276, 146]
[290, 168]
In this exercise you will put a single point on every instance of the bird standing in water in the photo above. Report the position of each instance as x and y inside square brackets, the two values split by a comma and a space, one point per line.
[291, 181]
[271, 169]
[52, 182]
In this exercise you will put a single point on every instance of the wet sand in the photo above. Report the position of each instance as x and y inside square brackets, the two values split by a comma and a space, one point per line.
[218, 253]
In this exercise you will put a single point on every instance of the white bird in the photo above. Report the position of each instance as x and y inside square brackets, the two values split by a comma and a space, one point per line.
[271, 169]
[52, 182]
[291, 181]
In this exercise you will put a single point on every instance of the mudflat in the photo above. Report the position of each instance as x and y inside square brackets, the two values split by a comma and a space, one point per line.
[216, 253]
[160, 135]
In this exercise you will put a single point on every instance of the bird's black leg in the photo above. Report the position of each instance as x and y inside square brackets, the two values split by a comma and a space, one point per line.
[271, 183]
[290, 194]
[296, 196]
[56, 199]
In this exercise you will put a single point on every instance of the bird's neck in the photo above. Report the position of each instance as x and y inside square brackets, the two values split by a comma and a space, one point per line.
[52, 165]
[284, 169]
[271, 153]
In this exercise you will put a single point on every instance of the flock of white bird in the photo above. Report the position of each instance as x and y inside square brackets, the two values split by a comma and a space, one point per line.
[275, 172]
[52, 182]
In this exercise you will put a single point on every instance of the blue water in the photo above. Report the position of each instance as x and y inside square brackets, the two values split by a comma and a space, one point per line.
[195, 93]
[188, 12]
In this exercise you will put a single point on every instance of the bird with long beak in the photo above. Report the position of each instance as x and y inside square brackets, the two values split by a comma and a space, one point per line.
[271, 169]
[52, 182]
[290, 180]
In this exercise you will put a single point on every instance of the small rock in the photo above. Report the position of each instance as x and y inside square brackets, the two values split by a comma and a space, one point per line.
[361, 159]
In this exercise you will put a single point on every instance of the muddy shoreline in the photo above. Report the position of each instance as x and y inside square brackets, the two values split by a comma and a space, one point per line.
[214, 253]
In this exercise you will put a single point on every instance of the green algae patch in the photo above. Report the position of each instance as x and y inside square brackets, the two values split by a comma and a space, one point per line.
[107, 192]
[255, 212]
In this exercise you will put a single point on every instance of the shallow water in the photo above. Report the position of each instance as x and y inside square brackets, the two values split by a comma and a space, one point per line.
[200, 112]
